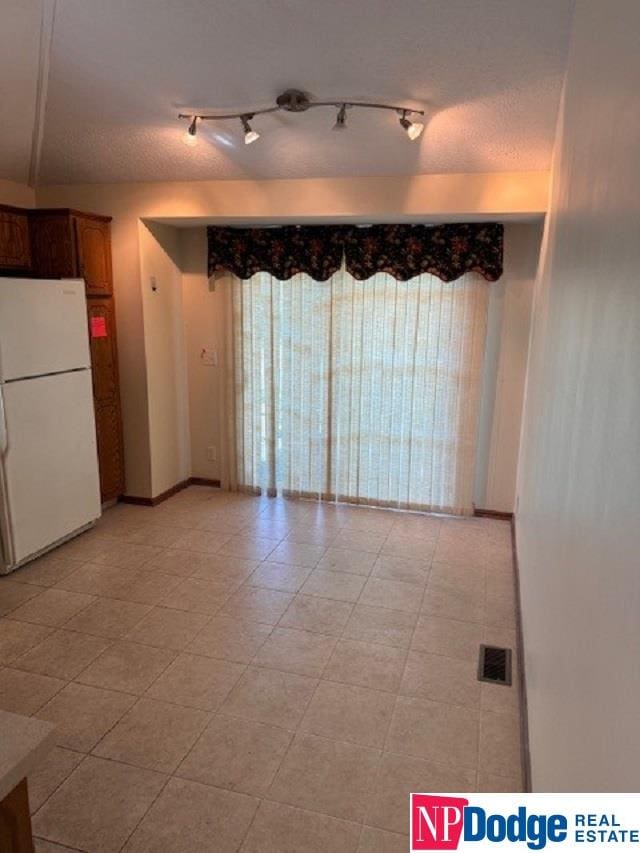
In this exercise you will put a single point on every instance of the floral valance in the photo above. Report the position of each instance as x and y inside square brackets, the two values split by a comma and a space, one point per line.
[403, 251]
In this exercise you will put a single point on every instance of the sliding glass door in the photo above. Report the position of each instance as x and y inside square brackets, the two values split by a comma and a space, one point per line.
[362, 391]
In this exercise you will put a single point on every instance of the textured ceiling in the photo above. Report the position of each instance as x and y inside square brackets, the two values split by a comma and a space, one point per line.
[489, 73]
[19, 55]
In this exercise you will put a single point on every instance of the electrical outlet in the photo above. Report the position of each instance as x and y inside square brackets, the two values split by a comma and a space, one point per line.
[211, 453]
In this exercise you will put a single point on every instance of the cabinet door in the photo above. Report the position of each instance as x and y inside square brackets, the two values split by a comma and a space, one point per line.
[106, 395]
[14, 240]
[53, 249]
[93, 241]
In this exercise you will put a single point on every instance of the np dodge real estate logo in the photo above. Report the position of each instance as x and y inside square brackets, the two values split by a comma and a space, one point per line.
[533, 821]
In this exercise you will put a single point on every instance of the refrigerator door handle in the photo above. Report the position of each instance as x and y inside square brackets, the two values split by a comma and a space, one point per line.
[4, 439]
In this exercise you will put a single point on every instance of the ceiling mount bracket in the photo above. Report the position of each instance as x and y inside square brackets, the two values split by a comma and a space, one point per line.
[294, 101]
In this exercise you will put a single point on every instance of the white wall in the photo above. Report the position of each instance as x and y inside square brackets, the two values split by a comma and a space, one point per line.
[161, 283]
[17, 194]
[578, 525]
[505, 367]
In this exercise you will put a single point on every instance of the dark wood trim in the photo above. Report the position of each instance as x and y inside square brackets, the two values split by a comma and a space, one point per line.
[68, 211]
[15, 822]
[524, 709]
[492, 513]
[192, 481]
[134, 499]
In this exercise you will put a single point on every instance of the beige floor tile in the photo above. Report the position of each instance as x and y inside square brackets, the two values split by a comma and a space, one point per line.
[25, 692]
[98, 806]
[13, 595]
[52, 607]
[240, 755]
[354, 714]
[297, 554]
[400, 545]
[156, 735]
[83, 714]
[91, 579]
[16, 638]
[228, 638]
[499, 744]
[445, 734]
[50, 774]
[490, 783]
[378, 841]
[202, 541]
[455, 592]
[395, 595]
[313, 534]
[442, 679]
[189, 817]
[380, 625]
[280, 576]
[340, 586]
[400, 569]
[449, 637]
[342, 560]
[126, 554]
[249, 547]
[63, 654]
[108, 618]
[270, 696]
[326, 776]
[366, 665]
[368, 520]
[500, 603]
[47, 570]
[283, 829]
[168, 628]
[84, 547]
[129, 667]
[501, 698]
[147, 588]
[414, 526]
[42, 846]
[291, 650]
[231, 571]
[257, 604]
[311, 613]
[360, 540]
[158, 535]
[198, 596]
[398, 776]
[176, 561]
[197, 682]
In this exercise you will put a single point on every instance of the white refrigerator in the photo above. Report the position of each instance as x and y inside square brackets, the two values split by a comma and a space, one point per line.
[49, 482]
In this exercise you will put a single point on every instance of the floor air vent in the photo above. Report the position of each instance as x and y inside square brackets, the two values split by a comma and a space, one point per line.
[494, 665]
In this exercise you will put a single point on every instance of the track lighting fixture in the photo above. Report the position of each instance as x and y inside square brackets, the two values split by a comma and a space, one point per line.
[296, 101]
[249, 135]
[190, 137]
[414, 129]
[341, 118]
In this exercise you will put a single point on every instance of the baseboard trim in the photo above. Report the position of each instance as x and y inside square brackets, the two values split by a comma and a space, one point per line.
[492, 513]
[204, 481]
[524, 710]
[169, 493]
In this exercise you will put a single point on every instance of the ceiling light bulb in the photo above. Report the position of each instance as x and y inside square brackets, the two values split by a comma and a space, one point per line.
[249, 135]
[341, 119]
[414, 130]
[190, 137]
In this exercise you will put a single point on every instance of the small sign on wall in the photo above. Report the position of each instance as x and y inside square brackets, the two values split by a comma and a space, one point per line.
[98, 327]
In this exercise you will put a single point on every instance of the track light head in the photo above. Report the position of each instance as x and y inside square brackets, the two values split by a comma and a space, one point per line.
[249, 135]
[190, 137]
[341, 118]
[414, 129]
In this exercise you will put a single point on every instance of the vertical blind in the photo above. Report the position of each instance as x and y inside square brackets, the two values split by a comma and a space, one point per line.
[359, 391]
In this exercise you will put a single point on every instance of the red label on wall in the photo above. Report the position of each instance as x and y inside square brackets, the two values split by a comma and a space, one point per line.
[98, 327]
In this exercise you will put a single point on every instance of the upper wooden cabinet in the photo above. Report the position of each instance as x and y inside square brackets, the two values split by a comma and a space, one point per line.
[15, 253]
[71, 244]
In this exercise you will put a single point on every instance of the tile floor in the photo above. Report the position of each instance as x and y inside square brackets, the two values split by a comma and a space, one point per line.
[234, 673]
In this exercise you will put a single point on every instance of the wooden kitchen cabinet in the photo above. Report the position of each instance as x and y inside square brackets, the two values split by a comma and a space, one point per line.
[15, 250]
[65, 243]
